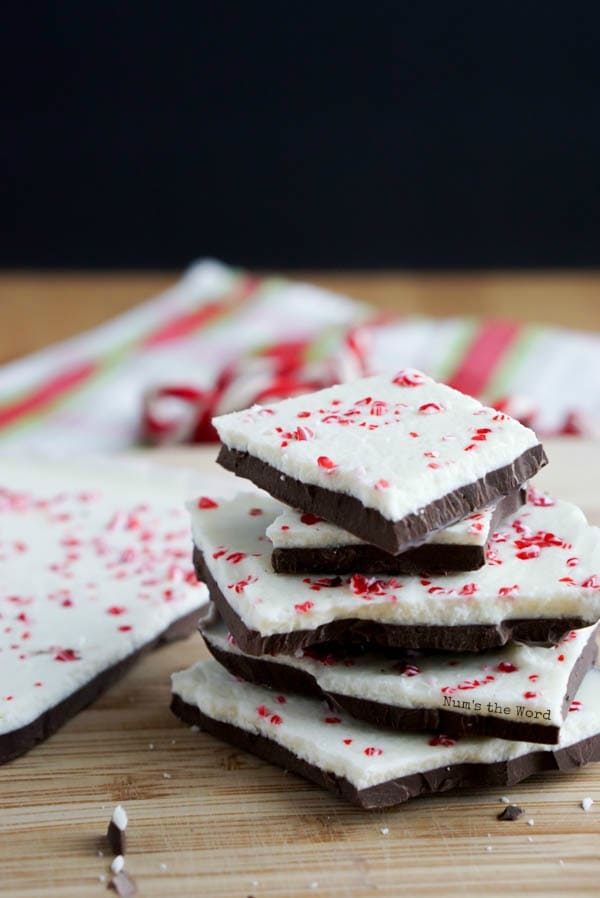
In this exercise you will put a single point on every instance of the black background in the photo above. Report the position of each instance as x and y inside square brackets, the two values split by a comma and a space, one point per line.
[301, 135]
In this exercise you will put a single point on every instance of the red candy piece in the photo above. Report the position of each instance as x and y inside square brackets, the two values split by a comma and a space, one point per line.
[204, 502]
[309, 519]
[441, 739]
[541, 500]
[531, 552]
[379, 408]
[409, 378]
[66, 655]
[430, 408]
[236, 557]
[405, 669]
[325, 462]
[506, 667]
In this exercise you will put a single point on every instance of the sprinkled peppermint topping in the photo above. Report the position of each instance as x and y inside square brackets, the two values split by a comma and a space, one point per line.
[347, 749]
[369, 424]
[112, 552]
[506, 588]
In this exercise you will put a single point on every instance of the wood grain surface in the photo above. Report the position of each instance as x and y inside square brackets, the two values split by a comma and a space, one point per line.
[37, 309]
[207, 820]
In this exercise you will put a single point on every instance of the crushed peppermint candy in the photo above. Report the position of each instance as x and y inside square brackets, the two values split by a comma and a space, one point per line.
[103, 541]
[508, 589]
[385, 411]
[117, 864]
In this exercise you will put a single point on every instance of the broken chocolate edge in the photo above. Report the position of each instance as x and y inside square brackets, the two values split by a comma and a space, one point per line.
[368, 523]
[17, 742]
[468, 638]
[397, 791]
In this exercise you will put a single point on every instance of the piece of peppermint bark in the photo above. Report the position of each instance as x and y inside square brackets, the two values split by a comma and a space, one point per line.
[304, 543]
[516, 692]
[541, 580]
[95, 570]
[391, 458]
[372, 769]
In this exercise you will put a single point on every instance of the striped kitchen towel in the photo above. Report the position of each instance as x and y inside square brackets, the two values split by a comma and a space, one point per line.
[221, 339]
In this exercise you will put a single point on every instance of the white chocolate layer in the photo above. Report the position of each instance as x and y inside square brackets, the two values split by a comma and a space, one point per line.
[395, 443]
[293, 529]
[349, 748]
[95, 563]
[544, 562]
[518, 682]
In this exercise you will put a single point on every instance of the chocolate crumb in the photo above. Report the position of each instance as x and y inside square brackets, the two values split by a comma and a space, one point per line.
[116, 835]
[511, 812]
[117, 839]
[123, 885]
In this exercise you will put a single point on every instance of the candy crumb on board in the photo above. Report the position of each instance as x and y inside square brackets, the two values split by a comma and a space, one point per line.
[118, 864]
[116, 836]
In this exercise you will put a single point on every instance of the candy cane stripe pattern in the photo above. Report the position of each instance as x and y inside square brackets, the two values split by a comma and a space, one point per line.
[367, 466]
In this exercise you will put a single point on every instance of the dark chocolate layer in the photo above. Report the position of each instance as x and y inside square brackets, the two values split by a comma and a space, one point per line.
[285, 678]
[17, 742]
[397, 791]
[366, 559]
[431, 558]
[368, 523]
[469, 638]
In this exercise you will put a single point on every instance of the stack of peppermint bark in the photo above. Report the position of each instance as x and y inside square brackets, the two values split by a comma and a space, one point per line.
[415, 617]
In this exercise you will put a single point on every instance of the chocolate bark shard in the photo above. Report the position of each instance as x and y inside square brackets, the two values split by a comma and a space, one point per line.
[469, 638]
[93, 574]
[540, 582]
[16, 742]
[368, 523]
[512, 812]
[417, 692]
[372, 770]
[116, 834]
[391, 459]
[434, 557]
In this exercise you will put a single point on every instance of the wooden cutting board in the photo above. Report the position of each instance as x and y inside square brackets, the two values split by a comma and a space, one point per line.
[207, 820]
